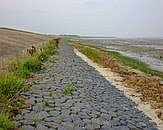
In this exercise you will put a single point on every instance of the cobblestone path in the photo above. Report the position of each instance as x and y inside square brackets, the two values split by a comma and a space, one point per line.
[95, 104]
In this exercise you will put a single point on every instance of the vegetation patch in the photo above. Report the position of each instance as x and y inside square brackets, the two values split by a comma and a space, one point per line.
[32, 62]
[35, 118]
[52, 61]
[141, 80]
[10, 85]
[49, 49]
[46, 103]
[5, 123]
[12, 79]
[69, 89]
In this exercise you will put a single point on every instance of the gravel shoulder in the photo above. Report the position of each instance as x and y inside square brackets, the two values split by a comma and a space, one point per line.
[96, 103]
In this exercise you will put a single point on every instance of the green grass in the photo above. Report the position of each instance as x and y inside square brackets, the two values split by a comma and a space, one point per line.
[69, 89]
[52, 61]
[32, 63]
[43, 56]
[16, 66]
[36, 118]
[46, 103]
[6, 109]
[5, 123]
[10, 85]
[18, 104]
[48, 50]
[23, 68]
[91, 54]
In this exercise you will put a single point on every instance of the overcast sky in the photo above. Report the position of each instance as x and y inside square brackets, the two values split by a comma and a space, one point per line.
[121, 18]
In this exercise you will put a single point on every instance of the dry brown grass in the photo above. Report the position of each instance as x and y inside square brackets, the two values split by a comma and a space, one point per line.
[148, 86]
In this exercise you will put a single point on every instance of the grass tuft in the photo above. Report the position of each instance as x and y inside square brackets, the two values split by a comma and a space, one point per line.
[10, 85]
[69, 89]
[32, 63]
[5, 123]
[52, 61]
[49, 49]
[46, 103]
[35, 118]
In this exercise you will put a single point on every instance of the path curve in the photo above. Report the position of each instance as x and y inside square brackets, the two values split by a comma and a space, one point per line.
[96, 104]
